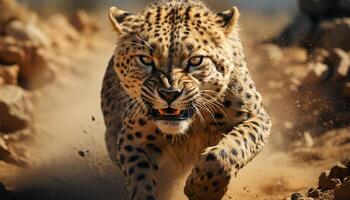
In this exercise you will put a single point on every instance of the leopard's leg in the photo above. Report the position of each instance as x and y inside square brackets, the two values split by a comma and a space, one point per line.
[138, 153]
[128, 148]
[111, 136]
[211, 174]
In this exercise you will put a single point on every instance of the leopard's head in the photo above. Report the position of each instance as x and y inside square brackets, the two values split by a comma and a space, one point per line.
[175, 59]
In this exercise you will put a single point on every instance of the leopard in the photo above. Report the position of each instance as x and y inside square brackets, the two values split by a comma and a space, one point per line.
[178, 100]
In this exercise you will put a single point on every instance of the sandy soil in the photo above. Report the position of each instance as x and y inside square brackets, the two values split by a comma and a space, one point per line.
[70, 161]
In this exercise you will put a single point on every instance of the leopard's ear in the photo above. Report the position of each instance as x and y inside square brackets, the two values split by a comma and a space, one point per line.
[117, 18]
[228, 19]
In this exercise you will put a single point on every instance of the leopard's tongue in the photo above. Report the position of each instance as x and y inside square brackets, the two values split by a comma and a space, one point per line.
[169, 111]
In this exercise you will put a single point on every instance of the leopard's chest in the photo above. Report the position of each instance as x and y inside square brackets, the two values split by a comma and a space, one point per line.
[179, 157]
[183, 152]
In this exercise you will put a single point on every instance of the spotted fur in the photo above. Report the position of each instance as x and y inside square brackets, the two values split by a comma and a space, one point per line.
[229, 126]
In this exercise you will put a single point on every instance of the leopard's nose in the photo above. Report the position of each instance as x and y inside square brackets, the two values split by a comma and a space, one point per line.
[169, 95]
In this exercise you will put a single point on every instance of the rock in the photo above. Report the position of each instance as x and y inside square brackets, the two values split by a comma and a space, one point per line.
[4, 193]
[36, 70]
[295, 55]
[347, 163]
[5, 153]
[339, 171]
[15, 109]
[10, 53]
[319, 55]
[296, 33]
[314, 193]
[16, 29]
[333, 184]
[61, 23]
[309, 142]
[81, 153]
[10, 10]
[321, 195]
[7, 156]
[82, 22]
[64, 35]
[344, 6]
[335, 34]
[272, 53]
[29, 31]
[317, 72]
[9, 74]
[37, 35]
[298, 196]
[342, 192]
[327, 183]
[317, 8]
[3, 144]
[340, 62]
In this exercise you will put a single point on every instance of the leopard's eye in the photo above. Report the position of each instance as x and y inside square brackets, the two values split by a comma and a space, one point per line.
[146, 60]
[194, 62]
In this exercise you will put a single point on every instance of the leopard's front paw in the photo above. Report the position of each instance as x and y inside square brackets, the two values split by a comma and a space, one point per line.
[210, 177]
[141, 192]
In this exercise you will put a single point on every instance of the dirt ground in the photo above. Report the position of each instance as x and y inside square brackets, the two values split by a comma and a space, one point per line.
[69, 161]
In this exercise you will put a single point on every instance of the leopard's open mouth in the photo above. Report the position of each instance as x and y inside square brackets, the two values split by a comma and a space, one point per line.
[170, 114]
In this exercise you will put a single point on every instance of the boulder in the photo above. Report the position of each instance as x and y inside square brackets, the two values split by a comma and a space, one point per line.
[16, 29]
[9, 74]
[296, 55]
[339, 61]
[318, 72]
[29, 31]
[10, 52]
[314, 193]
[298, 32]
[272, 53]
[3, 145]
[15, 109]
[334, 34]
[82, 22]
[342, 192]
[10, 10]
[344, 6]
[333, 184]
[36, 70]
[7, 8]
[346, 89]
[64, 35]
[319, 55]
[61, 23]
[339, 171]
[317, 8]
[5, 153]
[325, 182]
[4, 193]
[298, 196]
[317, 194]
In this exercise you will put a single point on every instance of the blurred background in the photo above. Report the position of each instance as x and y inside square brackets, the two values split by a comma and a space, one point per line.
[53, 55]
[93, 5]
